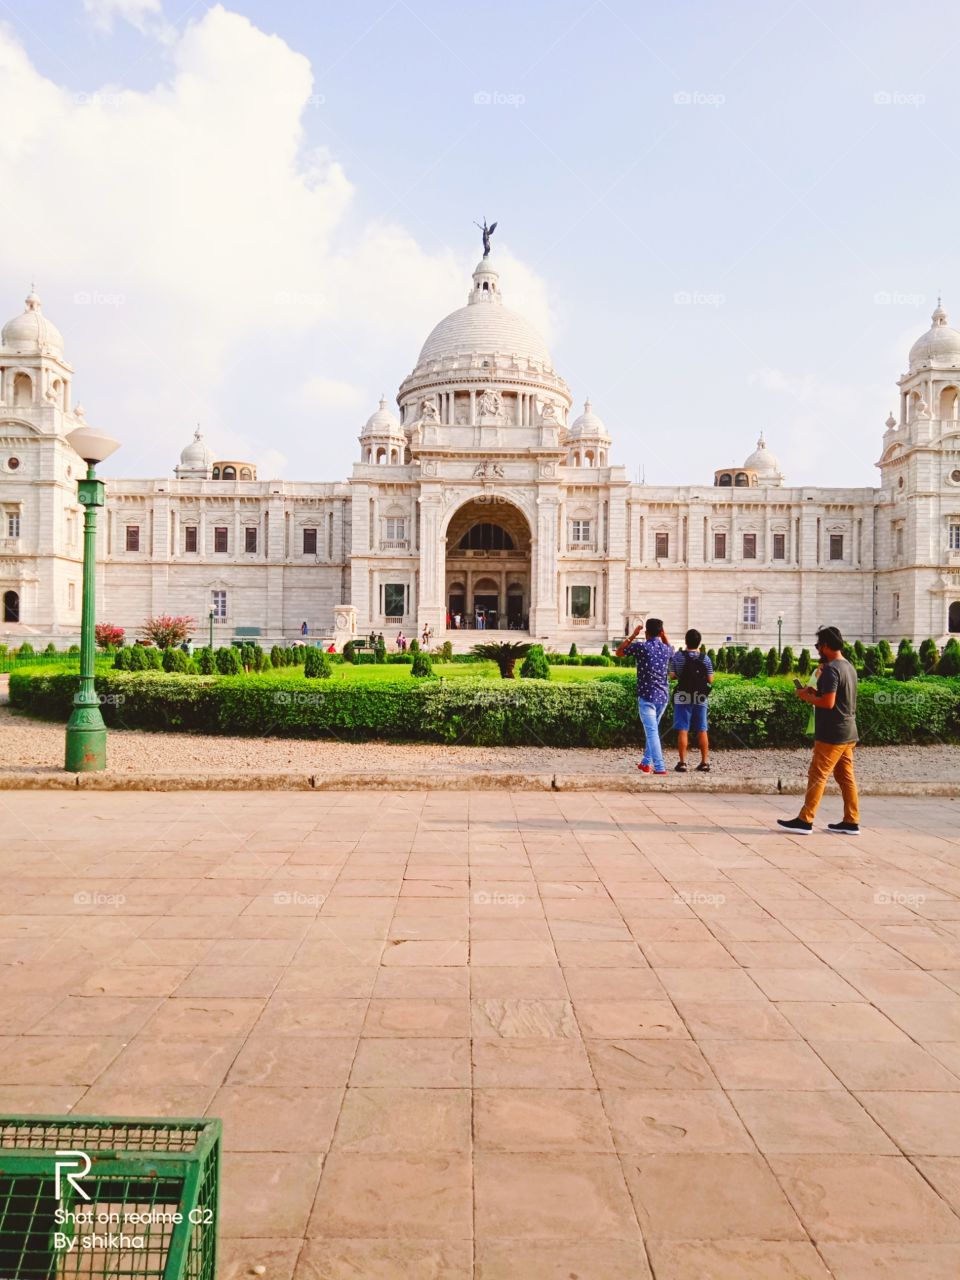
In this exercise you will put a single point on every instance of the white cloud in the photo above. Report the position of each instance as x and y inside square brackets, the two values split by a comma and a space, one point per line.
[226, 254]
[145, 15]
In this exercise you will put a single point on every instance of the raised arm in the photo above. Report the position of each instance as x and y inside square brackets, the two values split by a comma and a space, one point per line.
[629, 641]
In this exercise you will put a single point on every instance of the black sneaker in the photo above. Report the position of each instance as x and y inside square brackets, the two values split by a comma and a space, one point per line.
[680, 767]
[796, 826]
[844, 828]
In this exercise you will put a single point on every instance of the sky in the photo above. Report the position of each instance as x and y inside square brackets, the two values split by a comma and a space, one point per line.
[725, 218]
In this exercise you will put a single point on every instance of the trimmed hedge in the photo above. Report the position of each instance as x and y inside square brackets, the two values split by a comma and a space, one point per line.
[595, 713]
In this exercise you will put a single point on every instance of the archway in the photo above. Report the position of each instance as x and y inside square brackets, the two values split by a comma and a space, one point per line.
[11, 606]
[488, 547]
[953, 617]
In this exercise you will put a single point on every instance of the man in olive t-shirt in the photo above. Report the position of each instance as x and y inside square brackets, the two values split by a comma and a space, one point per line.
[835, 736]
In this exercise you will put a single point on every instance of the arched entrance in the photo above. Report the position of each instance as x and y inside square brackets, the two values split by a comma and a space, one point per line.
[953, 617]
[11, 606]
[488, 566]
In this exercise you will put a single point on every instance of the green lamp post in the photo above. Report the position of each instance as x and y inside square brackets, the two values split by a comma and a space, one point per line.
[86, 748]
[779, 634]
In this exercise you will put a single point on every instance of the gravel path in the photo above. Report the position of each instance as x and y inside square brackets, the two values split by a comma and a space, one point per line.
[38, 745]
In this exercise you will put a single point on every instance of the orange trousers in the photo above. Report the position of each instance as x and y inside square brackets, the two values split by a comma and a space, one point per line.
[832, 758]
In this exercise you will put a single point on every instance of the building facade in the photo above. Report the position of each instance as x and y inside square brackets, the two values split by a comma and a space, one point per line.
[485, 499]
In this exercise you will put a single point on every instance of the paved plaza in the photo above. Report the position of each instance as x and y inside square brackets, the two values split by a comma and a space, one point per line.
[523, 1036]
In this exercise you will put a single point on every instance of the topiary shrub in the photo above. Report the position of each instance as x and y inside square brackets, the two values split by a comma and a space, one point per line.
[205, 661]
[949, 664]
[51, 648]
[228, 661]
[138, 658]
[872, 661]
[595, 660]
[317, 665]
[886, 653]
[535, 665]
[751, 663]
[26, 650]
[572, 651]
[906, 665]
[859, 652]
[414, 645]
[276, 656]
[177, 661]
[121, 660]
[421, 665]
[929, 656]
[605, 651]
[380, 651]
[74, 648]
[712, 655]
[349, 652]
[787, 661]
[804, 663]
[772, 662]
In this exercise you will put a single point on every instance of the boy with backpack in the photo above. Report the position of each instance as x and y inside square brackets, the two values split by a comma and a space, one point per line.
[693, 672]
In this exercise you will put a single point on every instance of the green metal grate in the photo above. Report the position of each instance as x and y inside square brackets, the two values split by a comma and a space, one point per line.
[152, 1201]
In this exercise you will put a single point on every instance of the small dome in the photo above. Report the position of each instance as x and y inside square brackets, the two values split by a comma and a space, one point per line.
[588, 425]
[31, 333]
[197, 455]
[382, 422]
[938, 347]
[763, 462]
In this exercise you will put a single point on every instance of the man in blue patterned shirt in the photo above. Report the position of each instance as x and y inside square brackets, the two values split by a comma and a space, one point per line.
[653, 656]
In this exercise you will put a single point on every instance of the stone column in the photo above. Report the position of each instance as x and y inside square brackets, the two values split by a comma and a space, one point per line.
[543, 607]
[430, 605]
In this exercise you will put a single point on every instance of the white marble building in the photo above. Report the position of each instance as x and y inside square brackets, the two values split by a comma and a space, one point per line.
[486, 494]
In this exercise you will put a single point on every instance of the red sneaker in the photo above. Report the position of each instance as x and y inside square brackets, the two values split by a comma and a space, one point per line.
[644, 768]
[659, 773]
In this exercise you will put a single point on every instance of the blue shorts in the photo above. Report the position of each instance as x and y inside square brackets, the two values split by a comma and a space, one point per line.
[690, 717]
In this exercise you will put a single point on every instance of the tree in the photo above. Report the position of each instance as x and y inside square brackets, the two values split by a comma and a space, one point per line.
[535, 665]
[711, 654]
[904, 645]
[907, 663]
[414, 645]
[167, 631]
[873, 661]
[206, 661]
[804, 663]
[421, 665]
[929, 655]
[604, 652]
[752, 663]
[108, 636]
[573, 651]
[122, 659]
[859, 652]
[178, 661]
[317, 665]
[276, 656]
[787, 661]
[772, 662]
[949, 664]
[138, 658]
[886, 653]
[506, 655]
[349, 653]
[228, 661]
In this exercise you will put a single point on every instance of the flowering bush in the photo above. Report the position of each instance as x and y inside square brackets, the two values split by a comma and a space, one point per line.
[167, 631]
[108, 636]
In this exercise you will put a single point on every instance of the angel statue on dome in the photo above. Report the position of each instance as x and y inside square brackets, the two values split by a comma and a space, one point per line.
[487, 233]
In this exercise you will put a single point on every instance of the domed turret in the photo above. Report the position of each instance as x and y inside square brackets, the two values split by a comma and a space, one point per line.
[764, 463]
[382, 438]
[31, 333]
[939, 347]
[588, 440]
[196, 460]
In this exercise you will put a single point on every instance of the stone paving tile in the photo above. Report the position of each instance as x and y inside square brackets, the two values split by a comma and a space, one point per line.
[479, 1036]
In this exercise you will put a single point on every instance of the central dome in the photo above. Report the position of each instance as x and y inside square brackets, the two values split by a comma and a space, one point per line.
[485, 327]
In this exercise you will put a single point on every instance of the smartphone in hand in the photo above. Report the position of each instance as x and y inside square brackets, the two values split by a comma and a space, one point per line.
[798, 684]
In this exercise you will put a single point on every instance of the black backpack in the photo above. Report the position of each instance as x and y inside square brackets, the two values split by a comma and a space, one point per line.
[694, 678]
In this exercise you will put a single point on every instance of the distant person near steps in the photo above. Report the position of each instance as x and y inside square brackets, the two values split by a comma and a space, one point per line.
[835, 736]
[693, 672]
[653, 656]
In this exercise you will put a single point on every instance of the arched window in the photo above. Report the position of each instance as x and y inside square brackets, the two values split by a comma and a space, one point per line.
[588, 458]
[742, 479]
[725, 479]
[369, 457]
[953, 618]
[603, 457]
[949, 402]
[576, 458]
[486, 537]
[229, 473]
[11, 606]
[245, 473]
[394, 457]
[22, 389]
[216, 473]
[381, 455]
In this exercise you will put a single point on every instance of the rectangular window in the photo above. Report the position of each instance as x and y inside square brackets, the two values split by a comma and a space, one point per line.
[662, 546]
[779, 546]
[13, 524]
[249, 539]
[71, 595]
[836, 546]
[190, 538]
[751, 610]
[719, 546]
[898, 541]
[749, 546]
[394, 594]
[395, 529]
[580, 602]
[580, 531]
[954, 536]
[309, 542]
[218, 602]
[220, 539]
[133, 537]
[895, 604]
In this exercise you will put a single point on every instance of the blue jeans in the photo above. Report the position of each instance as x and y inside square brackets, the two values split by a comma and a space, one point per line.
[650, 715]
